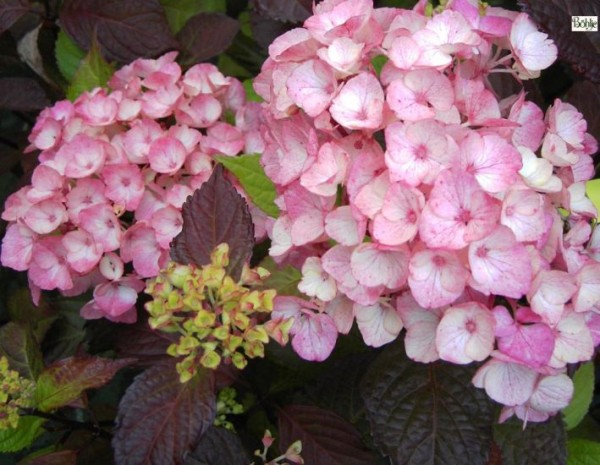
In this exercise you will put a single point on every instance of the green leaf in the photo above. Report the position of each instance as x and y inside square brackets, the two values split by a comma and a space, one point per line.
[93, 72]
[284, 280]
[68, 55]
[161, 419]
[592, 189]
[230, 67]
[19, 346]
[536, 444]
[179, 11]
[258, 186]
[64, 381]
[426, 414]
[251, 94]
[13, 440]
[378, 62]
[582, 397]
[583, 452]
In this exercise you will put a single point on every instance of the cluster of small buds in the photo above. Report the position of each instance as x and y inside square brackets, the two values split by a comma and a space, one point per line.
[413, 197]
[16, 393]
[218, 319]
[227, 405]
[292, 453]
[115, 169]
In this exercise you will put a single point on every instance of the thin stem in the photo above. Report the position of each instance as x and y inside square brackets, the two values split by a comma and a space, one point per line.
[73, 424]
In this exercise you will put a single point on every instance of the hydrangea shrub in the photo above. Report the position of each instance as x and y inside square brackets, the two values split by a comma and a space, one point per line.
[412, 197]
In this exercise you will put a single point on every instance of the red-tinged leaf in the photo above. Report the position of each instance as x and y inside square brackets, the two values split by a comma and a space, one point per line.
[426, 413]
[214, 214]
[536, 444]
[161, 419]
[286, 11]
[495, 457]
[22, 94]
[142, 343]
[11, 11]
[327, 439]
[64, 381]
[580, 49]
[19, 346]
[126, 30]
[63, 457]
[585, 95]
[218, 446]
[206, 35]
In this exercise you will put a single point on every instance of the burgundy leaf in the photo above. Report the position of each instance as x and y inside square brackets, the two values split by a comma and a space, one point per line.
[327, 439]
[580, 49]
[160, 419]
[64, 381]
[142, 343]
[63, 457]
[265, 29]
[218, 446]
[214, 214]
[11, 11]
[585, 95]
[206, 35]
[287, 11]
[22, 94]
[126, 30]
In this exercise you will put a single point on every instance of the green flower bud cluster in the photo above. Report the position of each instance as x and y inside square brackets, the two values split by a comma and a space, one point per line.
[227, 405]
[16, 392]
[218, 319]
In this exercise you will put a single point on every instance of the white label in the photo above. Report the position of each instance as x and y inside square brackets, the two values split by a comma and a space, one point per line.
[584, 23]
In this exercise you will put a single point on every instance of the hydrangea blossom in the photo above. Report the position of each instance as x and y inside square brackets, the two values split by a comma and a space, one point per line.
[412, 198]
[115, 168]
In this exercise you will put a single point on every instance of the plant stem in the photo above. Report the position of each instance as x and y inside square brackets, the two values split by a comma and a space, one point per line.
[94, 428]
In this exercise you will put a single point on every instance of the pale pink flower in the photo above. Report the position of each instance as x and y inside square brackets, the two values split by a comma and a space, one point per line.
[316, 282]
[419, 95]
[45, 216]
[359, 103]
[436, 277]
[533, 50]
[458, 212]
[374, 265]
[500, 264]
[17, 247]
[101, 222]
[82, 252]
[465, 333]
[124, 185]
[523, 213]
[549, 292]
[311, 86]
[49, 269]
[421, 326]
[505, 382]
[378, 324]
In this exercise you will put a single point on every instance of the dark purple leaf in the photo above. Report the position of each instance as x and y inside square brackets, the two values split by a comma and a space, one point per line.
[218, 446]
[327, 439]
[585, 95]
[63, 457]
[142, 343]
[206, 35]
[286, 11]
[126, 30]
[161, 419]
[426, 413]
[64, 381]
[265, 30]
[22, 94]
[537, 444]
[580, 49]
[11, 11]
[215, 214]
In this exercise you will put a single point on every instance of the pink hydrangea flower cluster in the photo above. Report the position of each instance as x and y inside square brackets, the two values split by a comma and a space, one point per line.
[115, 169]
[414, 198]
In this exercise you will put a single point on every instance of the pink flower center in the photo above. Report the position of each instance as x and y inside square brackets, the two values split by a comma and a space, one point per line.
[471, 326]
